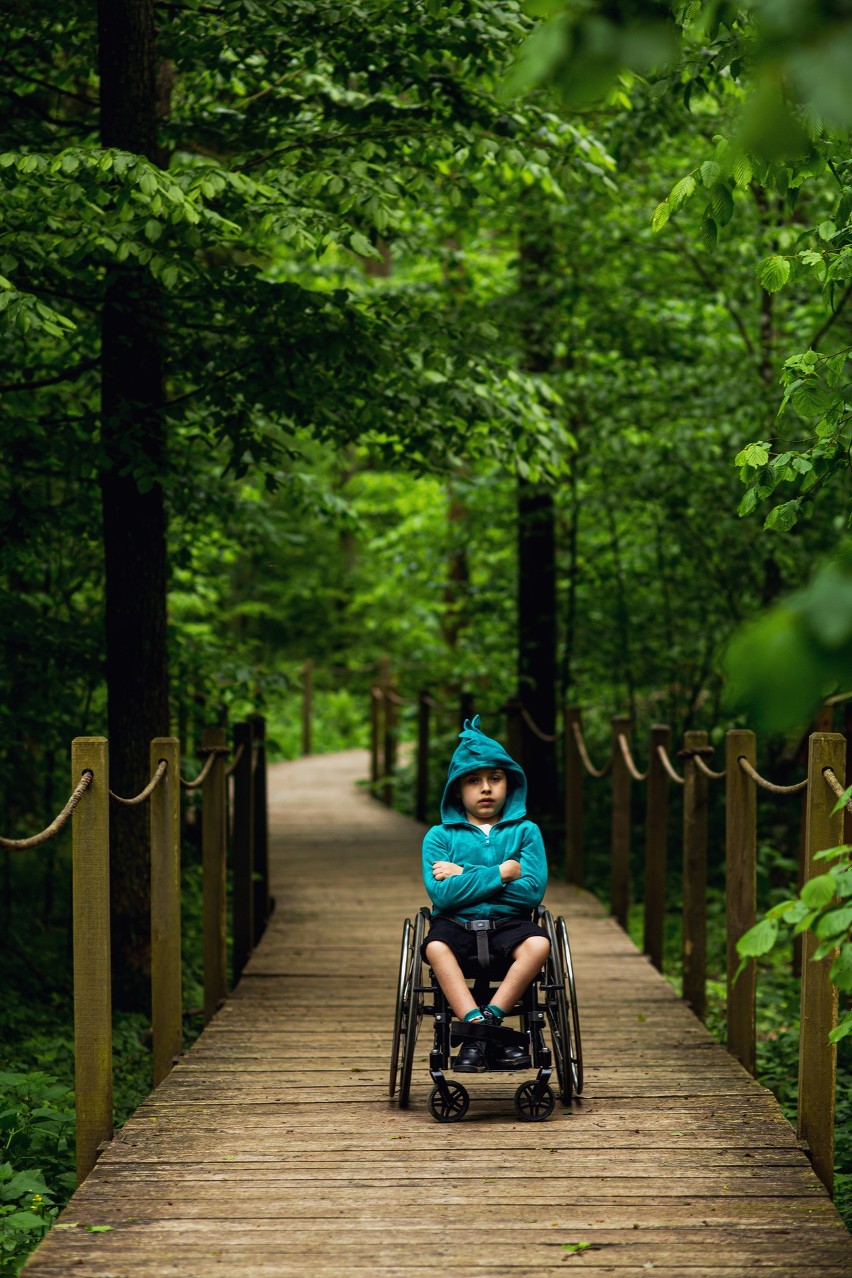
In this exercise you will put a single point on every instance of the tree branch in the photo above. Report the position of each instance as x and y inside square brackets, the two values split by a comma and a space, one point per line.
[823, 329]
[70, 375]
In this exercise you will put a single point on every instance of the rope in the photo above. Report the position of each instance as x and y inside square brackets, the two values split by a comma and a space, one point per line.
[232, 766]
[628, 759]
[149, 788]
[708, 772]
[211, 753]
[839, 790]
[584, 756]
[56, 825]
[534, 728]
[667, 764]
[770, 785]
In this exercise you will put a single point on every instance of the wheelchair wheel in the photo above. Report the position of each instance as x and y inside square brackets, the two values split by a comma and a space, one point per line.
[404, 963]
[532, 1108]
[449, 1111]
[556, 1008]
[571, 994]
[412, 1009]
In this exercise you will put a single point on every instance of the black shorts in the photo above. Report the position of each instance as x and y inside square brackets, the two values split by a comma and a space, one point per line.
[504, 939]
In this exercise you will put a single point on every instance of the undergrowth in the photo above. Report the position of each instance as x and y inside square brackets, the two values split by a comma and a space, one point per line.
[37, 1121]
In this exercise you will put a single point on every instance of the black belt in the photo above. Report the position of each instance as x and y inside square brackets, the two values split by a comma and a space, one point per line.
[481, 927]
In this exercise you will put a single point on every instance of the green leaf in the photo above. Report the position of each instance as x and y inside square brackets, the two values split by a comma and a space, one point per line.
[773, 273]
[842, 800]
[361, 245]
[758, 939]
[819, 891]
[783, 517]
[841, 1030]
[660, 216]
[722, 203]
[756, 454]
[681, 191]
[834, 923]
[574, 1248]
[709, 233]
[742, 170]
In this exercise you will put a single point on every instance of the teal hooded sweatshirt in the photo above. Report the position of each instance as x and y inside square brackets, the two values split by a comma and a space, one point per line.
[478, 892]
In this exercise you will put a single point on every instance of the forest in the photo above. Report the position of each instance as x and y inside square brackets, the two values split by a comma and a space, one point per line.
[503, 347]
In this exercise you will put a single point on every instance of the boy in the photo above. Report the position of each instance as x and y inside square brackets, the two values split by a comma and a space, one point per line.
[484, 862]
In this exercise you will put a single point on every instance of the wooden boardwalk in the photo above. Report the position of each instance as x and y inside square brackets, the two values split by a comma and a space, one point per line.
[272, 1148]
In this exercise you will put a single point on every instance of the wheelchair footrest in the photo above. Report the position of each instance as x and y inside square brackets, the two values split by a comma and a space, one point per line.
[460, 1030]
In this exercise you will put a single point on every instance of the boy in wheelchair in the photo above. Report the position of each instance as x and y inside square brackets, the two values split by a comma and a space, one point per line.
[485, 870]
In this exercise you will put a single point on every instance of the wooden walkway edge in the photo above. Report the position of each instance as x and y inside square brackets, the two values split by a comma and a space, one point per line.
[272, 1148]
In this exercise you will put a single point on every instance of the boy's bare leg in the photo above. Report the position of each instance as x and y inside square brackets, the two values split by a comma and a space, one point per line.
[445, 965]
[529, 958]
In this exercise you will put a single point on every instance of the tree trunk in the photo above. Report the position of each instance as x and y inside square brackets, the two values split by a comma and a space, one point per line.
[537, 621]
[134, 519]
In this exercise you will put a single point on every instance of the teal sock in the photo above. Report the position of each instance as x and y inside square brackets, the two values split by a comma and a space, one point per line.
[497, 1011]
[474, 1015]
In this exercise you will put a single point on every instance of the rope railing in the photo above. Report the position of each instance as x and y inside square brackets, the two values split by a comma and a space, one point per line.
[88, 812]
[671, 773]
[597, 773]
[535, 729]
[837, 788]
[708, 772]
[629, 762]
[235, 762]
[211, 753]
[162, 768]
[770, 786]
[36, 840]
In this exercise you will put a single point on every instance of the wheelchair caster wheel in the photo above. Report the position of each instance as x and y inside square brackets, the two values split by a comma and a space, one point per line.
[449, 1110]
[533, 1109]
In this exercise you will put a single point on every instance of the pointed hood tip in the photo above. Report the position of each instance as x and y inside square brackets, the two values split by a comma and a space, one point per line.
[476, 750]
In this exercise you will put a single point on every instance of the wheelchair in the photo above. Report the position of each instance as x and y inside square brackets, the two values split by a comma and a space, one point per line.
[550, 1000]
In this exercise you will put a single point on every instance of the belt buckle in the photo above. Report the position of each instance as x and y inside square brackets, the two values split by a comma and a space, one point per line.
[480, 925]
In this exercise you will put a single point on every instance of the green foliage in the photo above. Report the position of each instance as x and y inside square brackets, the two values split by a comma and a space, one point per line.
[36, 1160]
[823, 907]
[783, 664]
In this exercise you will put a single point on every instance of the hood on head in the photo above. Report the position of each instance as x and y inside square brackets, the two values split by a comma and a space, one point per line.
[476, 750]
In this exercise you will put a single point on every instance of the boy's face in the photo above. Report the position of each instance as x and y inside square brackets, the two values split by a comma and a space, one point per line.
[483, 793]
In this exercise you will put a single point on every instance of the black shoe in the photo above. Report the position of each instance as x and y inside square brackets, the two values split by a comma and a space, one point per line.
[504, 1055]
[471, 1058]
[508, 1057]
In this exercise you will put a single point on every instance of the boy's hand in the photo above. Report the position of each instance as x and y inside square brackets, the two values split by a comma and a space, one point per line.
[445, 869]
[510, 870]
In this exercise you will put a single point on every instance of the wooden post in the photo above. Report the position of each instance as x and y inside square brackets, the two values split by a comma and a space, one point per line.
[422, 799]
[694, 876]
[214, 844]
[376, 702]
[307, 705]
[573, 800]
[620, 867]
[656, 846]
[818, 1057]
[260, 844]
[92, 988]
[243, 853]
[741, 892]
[166, 984]
[391, 716]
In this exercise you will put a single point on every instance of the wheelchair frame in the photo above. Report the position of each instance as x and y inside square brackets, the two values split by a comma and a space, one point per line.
[551, 999]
